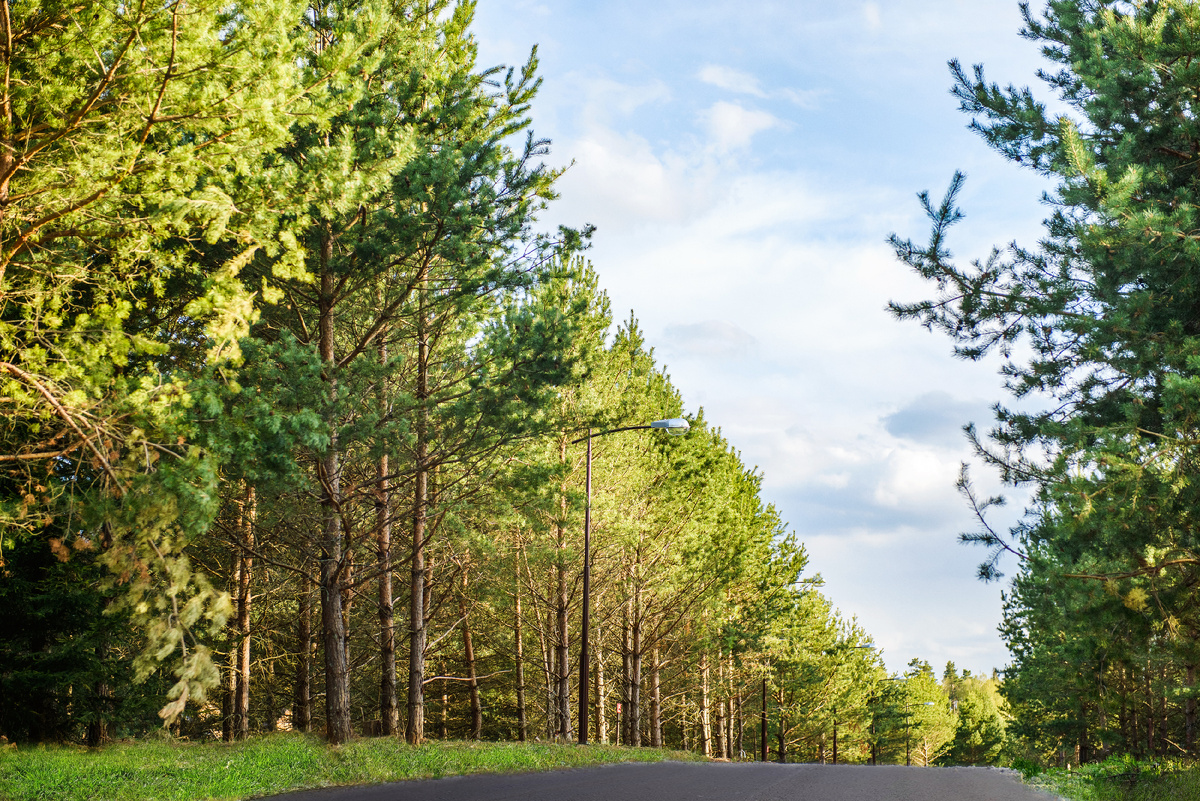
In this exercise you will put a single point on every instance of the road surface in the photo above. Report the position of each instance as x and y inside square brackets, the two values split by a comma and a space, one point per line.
[691, 781]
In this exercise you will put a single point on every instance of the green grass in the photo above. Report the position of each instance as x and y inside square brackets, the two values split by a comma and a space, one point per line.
[172, 771]
[1121, 780]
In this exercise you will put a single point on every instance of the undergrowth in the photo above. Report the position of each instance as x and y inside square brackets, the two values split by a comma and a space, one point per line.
[1119, 779]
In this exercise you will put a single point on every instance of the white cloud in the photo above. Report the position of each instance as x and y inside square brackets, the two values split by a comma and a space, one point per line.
[621, 180]
[872, 16]
[606, 100]
[730, 79]
[732, 126]
[917, 478]
[711, 339]
[807, 99]
[744, 83]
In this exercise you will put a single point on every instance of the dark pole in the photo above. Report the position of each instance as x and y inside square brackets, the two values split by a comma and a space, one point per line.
[874, 745]
[764, 721]
[585, 629]
[585, 633]
[907, 760]
[835, 735]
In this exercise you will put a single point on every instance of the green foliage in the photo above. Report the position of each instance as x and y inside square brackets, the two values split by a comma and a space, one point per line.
[1097, 327]
[979, 735]
[1121, 778]
[276, 329]
[66, 666]
[133, 140]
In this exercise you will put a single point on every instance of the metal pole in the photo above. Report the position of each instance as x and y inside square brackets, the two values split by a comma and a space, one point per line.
[835, 735]
[763, 741]
[585, 629]
[907, 760]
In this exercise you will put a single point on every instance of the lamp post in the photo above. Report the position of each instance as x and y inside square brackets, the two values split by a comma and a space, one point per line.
[675, 426]
[763, 738]
[874, 742]
[907, 760]
[865, 646]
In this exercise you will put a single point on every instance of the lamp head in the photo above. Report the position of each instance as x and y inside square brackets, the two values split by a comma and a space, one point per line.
[676, 426]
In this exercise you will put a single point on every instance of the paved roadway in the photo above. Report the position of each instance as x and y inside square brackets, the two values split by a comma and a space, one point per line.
[679, 781]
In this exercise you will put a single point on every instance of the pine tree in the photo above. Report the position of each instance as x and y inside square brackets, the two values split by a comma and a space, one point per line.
[1097, 321]
[133, 138]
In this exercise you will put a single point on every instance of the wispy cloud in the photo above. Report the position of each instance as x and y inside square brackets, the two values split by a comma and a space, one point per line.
[937, 418]
[711, 339]
[807, 99]
[731, 126]
[731, 80]
[744, 83]
[872, 16]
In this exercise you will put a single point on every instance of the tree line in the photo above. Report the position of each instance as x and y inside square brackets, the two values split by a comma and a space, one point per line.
[293, 400]
[1097, 329]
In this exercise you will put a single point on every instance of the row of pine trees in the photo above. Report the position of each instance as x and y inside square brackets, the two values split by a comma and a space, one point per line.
[292, 395]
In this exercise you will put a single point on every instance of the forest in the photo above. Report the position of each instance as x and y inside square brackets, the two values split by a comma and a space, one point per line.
[296, 405]
[303, 410]
[1096, 329]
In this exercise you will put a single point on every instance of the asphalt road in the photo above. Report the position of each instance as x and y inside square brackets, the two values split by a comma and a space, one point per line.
[678, 781]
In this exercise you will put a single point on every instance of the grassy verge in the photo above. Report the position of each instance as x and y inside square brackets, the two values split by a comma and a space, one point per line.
[1121, 780]
[167, 771]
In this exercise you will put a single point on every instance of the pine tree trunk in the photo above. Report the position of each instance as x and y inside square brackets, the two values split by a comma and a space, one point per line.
[719, 740]
[1189, 713]
[728, 702]
[389, 711]
[601, 690]
[241, 696]
[329, 472]
[705, 720]
[626, 673]
[1082, 746]
[518, 639]
[656, 740]
[347, 582]
[443, 731]
[98, 729]
[562, 666]
[302, 702]
[270, 708]
[414, 731]
[550, 680]
[1101, 746]
[741, 726]
[469, 657]
[229, 680]
[1164, 725]
[1149, 713]
[1123, 710]
[561, 629]
[635, 665]
[782, 735]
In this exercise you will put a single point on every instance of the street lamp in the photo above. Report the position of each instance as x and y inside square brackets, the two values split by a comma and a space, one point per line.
[907, 760]
[865, 646]
[675, 426]
[907, 752]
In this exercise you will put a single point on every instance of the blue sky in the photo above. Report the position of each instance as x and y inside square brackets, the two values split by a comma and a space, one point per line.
[744, 164]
